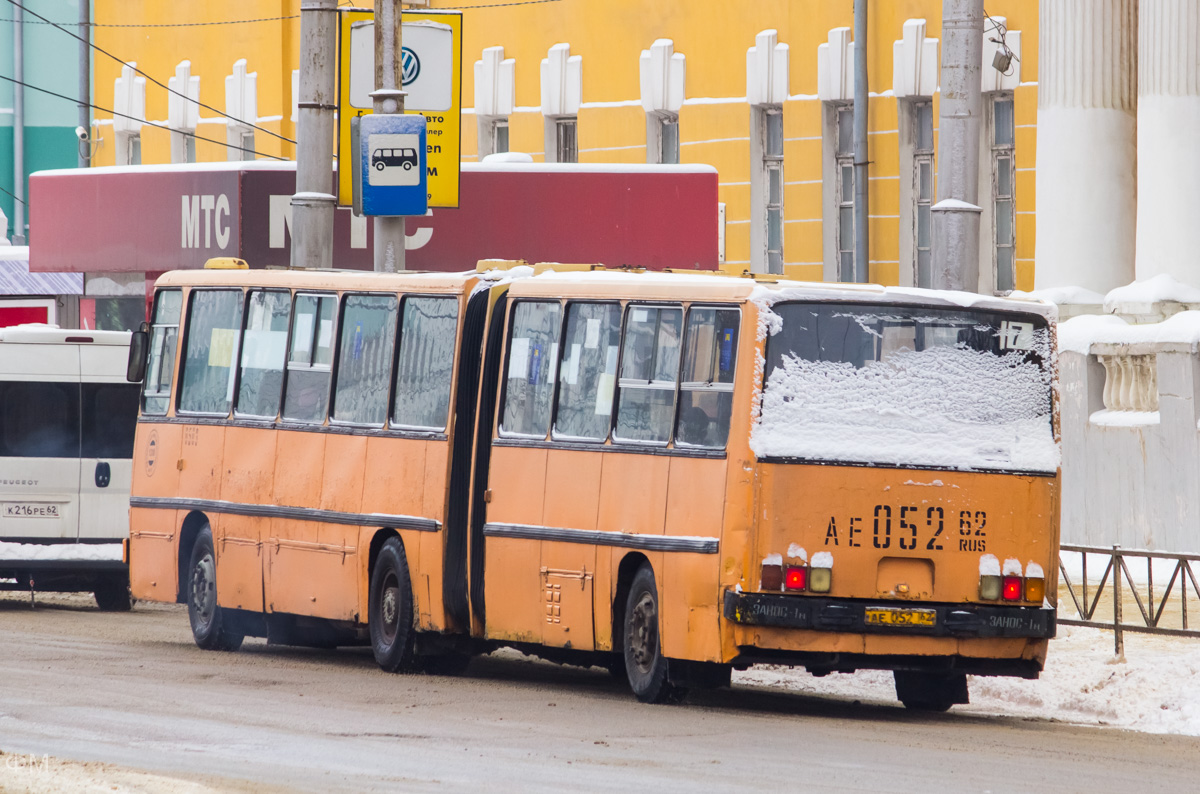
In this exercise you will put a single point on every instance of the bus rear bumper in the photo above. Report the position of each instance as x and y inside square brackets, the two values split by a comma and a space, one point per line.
[850, 616]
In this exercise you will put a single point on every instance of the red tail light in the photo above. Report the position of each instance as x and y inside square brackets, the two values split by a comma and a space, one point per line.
[795, 577]
[1012, 588]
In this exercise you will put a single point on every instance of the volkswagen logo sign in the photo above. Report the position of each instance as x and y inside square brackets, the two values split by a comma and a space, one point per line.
[411, 65]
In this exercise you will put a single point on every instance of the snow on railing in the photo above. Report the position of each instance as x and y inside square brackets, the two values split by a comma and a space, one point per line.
[1119, 583]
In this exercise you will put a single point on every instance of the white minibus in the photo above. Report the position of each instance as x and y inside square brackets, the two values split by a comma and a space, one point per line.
[67, 420]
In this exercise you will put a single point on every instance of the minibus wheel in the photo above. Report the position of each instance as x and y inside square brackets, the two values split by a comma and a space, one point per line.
[645, 665]
[390, 610]
[209, 624]
[112, 594]
[922, 691]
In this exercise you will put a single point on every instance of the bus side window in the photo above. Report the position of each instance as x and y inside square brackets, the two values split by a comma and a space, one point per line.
[532, 359]
[426, 363]
[706, 388]
[214, 325]
[41, 420]
[164, 336]
[310, 361]
[264, 352]
[649, 371]
[364, 366]
[589, 371]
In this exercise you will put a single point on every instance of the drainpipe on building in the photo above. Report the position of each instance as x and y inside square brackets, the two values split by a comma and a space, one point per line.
[956, 215]
[388, 98]
[85, 80]
[862, 236]
[18, 235]
[313, 204]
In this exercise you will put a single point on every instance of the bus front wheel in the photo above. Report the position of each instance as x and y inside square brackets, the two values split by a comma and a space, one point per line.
[921, 691]
[390, 611]
[645, 665]
[210, 626]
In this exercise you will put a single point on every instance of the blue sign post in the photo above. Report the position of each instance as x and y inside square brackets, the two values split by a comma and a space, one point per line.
[392, 164]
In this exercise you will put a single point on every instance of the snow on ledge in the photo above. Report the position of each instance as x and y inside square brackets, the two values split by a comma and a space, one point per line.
[1078, 334]
[1061, 295]
[1153, 290]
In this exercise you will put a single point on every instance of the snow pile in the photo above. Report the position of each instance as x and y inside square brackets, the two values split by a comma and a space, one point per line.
[797, 552]
[1155, 690]
[1061, 295]
[946, 406]
[1153, 290]
[1078, 334]
[61, 551]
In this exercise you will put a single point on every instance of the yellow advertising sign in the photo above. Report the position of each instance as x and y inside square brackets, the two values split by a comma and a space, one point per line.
[432, 76]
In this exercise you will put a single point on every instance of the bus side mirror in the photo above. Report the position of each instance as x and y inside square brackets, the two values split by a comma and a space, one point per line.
[139, 343]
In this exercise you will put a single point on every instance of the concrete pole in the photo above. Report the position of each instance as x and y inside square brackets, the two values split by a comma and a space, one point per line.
[862, 234]
[313, 204]
[956, 215]
[388, 98]
[18, 235]
[85, 80]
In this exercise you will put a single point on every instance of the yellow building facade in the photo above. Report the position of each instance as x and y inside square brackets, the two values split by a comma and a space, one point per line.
[716, 122]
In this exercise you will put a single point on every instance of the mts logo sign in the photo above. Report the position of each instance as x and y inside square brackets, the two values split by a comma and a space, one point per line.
[205, 216]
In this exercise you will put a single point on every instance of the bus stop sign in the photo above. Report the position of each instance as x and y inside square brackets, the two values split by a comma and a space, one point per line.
[392, 165]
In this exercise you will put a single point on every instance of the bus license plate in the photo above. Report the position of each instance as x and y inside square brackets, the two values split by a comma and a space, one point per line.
[30, 510]
[890, 616]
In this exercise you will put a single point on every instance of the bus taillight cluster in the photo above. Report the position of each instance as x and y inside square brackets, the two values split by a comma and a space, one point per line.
[1012, 584]
[799, 575]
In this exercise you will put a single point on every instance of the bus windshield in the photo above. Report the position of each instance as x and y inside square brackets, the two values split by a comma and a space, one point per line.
[907, 386]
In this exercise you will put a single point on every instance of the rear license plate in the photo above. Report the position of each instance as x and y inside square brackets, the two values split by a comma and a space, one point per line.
[891, 616]
[31, 510]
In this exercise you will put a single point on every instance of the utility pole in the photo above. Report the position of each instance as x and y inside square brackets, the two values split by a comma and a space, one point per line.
[956, 215]
[313, 204]
[862, 234]
[85, 80]
[388, 98]
[18, 235]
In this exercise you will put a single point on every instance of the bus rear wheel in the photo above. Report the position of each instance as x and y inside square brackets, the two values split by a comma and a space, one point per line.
[921, 691]
[645, 665]
[209, 622]
[112, 594]
[390, 610]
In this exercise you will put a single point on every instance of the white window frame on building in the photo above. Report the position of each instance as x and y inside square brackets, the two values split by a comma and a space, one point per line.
[241, 103]
[495, 97]
[247, 143]
[183, 112]
[843, 178]
[662, 75]
[562, 90]
[1002, 137]
[565, 143]
[129, 99]
[917, 190]
[766, 91]
[769, 136]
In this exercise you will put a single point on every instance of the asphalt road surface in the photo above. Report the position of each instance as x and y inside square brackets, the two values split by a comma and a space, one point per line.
[132, 690]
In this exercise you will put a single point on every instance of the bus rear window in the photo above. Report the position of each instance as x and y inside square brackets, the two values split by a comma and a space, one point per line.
[908, 386]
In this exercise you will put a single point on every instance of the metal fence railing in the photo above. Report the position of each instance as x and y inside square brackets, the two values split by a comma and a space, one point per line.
[1156, 613]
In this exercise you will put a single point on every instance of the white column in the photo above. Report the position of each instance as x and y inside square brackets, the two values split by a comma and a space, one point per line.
[1086, 143]
[1168, 115]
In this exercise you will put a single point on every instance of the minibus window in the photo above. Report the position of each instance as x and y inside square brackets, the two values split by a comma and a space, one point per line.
[109, 413]
[532, 358]
[426, 362]
[264, 352]
[41, 420]
[706, 388]
[164, 337]
[364, 368]
[310, 359]
[589, 371]
[649, 370]
[214, 325]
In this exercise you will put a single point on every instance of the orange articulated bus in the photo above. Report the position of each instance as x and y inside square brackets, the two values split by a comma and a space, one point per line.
[673, 475]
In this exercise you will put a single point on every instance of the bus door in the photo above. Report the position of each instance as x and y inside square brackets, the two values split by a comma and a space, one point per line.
[108, 420]
[39, 442]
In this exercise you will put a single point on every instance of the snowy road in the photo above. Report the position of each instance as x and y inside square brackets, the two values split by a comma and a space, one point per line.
[132, 691]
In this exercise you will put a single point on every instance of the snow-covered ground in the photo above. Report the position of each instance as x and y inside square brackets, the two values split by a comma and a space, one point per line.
[1155, 690]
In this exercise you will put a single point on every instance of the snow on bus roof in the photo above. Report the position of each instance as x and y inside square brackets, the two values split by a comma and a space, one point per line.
[327, 279]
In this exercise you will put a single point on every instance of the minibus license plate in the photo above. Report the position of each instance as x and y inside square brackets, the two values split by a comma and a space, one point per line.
[30, 510]
[890, 616]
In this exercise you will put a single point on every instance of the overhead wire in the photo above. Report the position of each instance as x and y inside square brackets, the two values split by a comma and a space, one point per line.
[156, 124]
[159, 83]
[23, 201]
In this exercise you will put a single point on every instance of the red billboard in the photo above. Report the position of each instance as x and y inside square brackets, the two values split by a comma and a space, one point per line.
[166, 217]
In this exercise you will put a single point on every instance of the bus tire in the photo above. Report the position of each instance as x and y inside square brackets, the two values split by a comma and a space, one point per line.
[922, 691]
[645, 664]
[390, 609]
[112, 594]
[210, 628]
